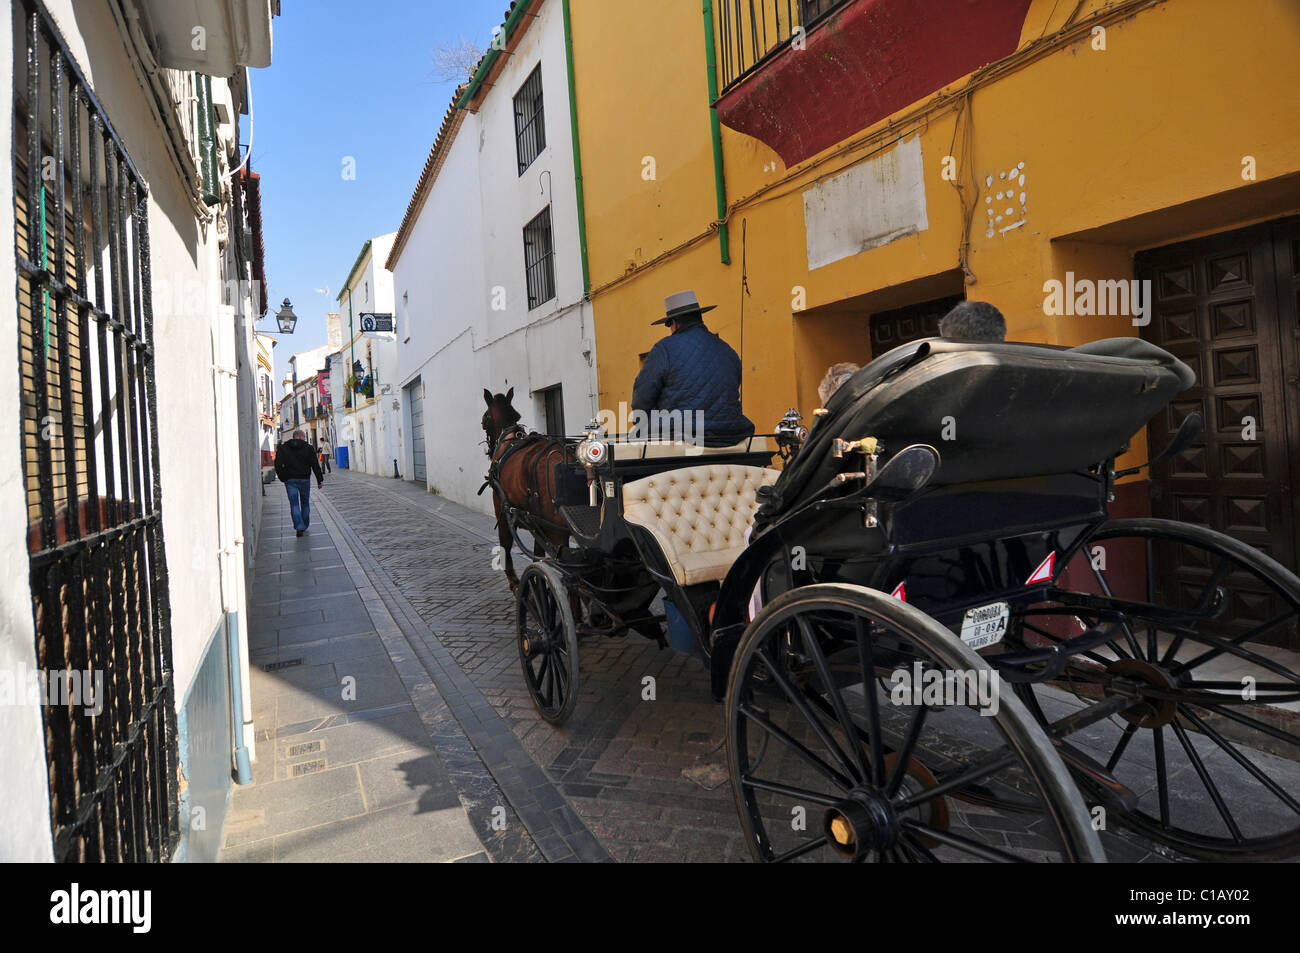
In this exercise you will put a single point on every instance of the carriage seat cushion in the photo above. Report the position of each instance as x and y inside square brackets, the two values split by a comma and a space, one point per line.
[698, 515]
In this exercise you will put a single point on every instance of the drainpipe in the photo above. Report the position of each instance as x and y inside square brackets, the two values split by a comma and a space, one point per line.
[577, 151]
[230, 542]
[719, 182]
[211, 191]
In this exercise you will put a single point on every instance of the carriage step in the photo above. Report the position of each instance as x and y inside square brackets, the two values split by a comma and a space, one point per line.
[583, 520]
[1096, 779]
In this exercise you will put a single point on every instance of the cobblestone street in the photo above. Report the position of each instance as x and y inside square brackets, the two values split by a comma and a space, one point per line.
[646, 779]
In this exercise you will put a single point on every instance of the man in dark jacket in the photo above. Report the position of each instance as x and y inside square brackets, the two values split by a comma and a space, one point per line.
[691, 376]
[295, 462]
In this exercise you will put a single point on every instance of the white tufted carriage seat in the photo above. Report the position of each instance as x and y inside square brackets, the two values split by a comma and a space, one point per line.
[698, 515]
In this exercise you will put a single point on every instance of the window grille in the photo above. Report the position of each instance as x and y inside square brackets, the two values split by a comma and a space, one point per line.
[90, 433]
[530, 124]
[539, 259]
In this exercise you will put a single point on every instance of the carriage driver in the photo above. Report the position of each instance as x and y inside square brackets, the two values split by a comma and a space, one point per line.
[692, 370]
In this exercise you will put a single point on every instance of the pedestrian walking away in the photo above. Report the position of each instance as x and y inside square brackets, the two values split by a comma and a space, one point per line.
[295, 463]
[324, 454]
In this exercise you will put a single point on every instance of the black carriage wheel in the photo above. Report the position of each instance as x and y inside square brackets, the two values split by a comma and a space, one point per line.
[827, 762]
[548, 641]
[1214, 758]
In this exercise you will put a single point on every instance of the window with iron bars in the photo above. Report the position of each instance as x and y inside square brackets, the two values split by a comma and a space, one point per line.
[98, 575]
[539, 259]
[530, 123]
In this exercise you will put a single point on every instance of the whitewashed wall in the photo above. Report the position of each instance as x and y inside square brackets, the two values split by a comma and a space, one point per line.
[466, 243]
[376, 426]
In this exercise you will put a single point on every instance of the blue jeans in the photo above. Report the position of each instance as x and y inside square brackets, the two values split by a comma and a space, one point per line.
[299, 502]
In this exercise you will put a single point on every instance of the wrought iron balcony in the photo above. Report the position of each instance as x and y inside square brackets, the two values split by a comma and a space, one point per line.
[752, 30]
[803, 75]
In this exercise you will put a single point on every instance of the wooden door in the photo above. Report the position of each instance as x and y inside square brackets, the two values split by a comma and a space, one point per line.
[1226, 305]
[889, 329]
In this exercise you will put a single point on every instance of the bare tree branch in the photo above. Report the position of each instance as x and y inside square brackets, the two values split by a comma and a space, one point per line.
[454, 60]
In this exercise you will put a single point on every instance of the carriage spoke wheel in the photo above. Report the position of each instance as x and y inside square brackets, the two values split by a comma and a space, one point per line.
[1207, 648]
[837, 751]
[548, 641]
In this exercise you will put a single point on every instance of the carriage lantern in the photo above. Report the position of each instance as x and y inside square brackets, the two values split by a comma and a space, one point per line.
[790, 435]
[593, 450]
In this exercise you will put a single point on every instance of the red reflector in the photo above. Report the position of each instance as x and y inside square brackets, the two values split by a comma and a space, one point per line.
[1044, 571]
[900, 591]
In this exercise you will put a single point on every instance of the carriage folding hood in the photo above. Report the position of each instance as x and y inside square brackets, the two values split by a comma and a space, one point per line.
[1018, 410]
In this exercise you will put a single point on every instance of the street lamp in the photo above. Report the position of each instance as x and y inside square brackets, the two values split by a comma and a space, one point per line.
[285, 318]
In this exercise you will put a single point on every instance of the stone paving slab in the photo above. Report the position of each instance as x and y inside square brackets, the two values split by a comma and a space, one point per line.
[346, 769]
[505, 792]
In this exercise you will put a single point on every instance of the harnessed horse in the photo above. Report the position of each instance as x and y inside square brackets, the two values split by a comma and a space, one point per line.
[522, 477]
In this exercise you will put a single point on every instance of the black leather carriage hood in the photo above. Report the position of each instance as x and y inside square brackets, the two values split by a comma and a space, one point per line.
[993, 411]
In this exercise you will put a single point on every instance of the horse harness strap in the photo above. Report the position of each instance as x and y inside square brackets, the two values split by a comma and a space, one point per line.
[518, 439]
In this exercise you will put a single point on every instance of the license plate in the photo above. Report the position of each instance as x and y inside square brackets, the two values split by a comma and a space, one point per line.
[986, 625]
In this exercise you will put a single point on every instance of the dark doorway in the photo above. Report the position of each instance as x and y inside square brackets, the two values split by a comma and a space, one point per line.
[553, 410]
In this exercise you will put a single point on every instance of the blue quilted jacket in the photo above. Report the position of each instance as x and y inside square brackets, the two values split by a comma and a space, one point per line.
[692, 370]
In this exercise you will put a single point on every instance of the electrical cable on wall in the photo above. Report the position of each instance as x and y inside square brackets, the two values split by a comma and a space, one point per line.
[744, 292]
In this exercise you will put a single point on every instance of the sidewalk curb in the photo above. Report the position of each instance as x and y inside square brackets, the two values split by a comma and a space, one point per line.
[473, 741]
[464, 769]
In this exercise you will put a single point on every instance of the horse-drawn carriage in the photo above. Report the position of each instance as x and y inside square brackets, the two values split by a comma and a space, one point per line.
[941, 534]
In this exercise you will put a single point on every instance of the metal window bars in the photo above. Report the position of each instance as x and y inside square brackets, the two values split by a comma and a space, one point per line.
[90, 435]
[539, 259]
[750, 31]
[530, 123]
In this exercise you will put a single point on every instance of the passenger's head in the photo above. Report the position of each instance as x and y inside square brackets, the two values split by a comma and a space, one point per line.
[974, 321]
[836, 375]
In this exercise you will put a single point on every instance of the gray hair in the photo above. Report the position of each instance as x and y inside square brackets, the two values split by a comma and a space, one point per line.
[300, 435]
[835, 377]
[974, 321]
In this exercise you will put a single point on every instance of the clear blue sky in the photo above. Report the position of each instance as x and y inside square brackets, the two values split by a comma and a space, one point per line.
[346, 79]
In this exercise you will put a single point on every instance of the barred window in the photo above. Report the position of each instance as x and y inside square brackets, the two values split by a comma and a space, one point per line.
[530, 125]
[100, 601]
[539, 259]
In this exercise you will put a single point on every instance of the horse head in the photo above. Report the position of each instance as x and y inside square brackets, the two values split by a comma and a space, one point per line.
[499, 417]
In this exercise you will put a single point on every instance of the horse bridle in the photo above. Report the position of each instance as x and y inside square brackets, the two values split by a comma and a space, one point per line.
[510, 433]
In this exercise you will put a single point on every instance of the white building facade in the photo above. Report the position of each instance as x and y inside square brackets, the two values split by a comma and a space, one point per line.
[367, 409]
[488, 264]
[122, 521]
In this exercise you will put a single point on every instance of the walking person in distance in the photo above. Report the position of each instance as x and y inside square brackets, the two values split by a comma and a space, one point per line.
[295, 462]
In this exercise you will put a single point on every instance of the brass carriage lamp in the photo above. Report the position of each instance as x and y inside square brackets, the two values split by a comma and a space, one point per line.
[285, 318]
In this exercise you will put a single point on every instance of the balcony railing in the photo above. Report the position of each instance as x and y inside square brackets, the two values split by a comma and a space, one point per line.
[749, 31]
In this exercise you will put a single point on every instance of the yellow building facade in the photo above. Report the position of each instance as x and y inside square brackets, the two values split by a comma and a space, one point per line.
[1096, 143]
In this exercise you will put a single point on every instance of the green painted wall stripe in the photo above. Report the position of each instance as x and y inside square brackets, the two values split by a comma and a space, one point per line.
[719, 180]
[577, 152]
